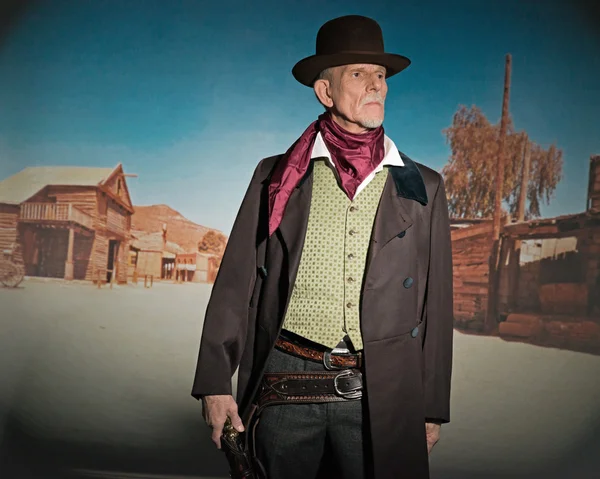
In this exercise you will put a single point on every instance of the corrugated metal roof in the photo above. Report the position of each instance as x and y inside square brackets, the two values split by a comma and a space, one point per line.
[23, 185]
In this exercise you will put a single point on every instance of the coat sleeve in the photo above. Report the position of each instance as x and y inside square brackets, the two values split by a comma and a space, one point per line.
[226, 319]
[438, 339]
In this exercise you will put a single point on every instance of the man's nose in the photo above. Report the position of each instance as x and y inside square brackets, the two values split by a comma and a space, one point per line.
[376, 82]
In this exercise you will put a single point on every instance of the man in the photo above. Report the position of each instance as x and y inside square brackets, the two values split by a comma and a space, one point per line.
[334, 295]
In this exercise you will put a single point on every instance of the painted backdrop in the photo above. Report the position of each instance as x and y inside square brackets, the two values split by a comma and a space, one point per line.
[128, 134]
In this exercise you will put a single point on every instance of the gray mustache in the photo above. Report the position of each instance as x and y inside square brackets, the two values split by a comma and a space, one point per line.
[372, 98]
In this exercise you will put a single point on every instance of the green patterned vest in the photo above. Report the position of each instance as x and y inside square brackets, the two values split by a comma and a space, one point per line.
[325, 300]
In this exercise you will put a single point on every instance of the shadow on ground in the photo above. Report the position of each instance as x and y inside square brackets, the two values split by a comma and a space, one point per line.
[23, 455]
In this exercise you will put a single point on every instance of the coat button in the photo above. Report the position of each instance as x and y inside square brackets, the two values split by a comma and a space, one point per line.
[401, 234]
[415, 332]
[408, 282]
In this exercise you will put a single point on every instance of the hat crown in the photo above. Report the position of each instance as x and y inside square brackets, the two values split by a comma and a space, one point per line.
[344, 41]
[351, 33]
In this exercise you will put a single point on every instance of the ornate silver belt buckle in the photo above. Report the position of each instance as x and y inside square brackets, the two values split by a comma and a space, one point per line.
[354, 392]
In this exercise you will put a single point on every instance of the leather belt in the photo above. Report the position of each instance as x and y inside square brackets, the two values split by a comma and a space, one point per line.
[329, 360]
[310, 387]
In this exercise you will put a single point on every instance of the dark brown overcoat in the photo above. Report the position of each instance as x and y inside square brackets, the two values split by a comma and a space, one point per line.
[406, 308]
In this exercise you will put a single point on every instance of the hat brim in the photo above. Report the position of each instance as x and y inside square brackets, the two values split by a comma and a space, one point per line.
[308, 69]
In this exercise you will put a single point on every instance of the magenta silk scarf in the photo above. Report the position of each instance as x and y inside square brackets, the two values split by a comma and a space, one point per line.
[355, 156]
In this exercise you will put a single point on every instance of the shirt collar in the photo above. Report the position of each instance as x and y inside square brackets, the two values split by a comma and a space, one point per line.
[390, 158]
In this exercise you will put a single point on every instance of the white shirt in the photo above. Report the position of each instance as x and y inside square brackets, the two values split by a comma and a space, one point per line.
[391, 157]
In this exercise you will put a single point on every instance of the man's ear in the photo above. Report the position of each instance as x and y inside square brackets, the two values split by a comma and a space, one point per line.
[323, 92]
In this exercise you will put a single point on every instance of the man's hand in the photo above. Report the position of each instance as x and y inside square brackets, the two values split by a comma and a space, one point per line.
[432, 432]
[215, 410]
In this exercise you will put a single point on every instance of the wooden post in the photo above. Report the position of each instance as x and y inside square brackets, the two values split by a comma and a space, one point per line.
[593, 193]
[515, 258]
[505, 254]
[524, 180]
[69, 268]
[491, 323]
[501, 143]
[116, 263]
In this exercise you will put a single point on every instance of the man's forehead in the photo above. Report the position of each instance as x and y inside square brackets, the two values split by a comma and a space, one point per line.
[361, 66]
[366, 66]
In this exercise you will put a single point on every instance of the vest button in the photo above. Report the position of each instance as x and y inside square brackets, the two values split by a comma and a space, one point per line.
[415, 332]
[350, 256]
[408, 282]
[351, 232]
[350, 280]
[353, 208]
[349, 305]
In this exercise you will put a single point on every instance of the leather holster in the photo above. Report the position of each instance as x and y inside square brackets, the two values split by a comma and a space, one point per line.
[242, 461]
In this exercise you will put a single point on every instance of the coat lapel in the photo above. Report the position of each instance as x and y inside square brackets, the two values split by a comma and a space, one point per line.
[404, 184]
[292, 229]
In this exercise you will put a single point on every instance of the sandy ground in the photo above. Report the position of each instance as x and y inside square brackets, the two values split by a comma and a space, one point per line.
[100, 379]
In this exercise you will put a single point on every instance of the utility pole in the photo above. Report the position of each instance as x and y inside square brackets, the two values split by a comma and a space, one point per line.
[490, 319]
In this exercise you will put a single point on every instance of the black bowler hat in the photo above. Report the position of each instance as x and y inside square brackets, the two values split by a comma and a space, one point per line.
[346, 40]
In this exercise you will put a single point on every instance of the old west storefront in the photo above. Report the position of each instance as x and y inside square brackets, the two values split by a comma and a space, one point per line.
[71, 223]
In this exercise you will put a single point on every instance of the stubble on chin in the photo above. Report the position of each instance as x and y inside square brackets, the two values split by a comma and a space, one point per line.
[371, 122]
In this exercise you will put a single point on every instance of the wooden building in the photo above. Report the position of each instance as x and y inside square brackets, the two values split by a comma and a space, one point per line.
[151, 254]
[71, 222]
[549, 276]
[196, 267]
[549, 291]
[471, 249]
[552, 265]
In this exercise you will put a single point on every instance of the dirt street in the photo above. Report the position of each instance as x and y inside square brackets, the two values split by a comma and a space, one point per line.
[99, 380]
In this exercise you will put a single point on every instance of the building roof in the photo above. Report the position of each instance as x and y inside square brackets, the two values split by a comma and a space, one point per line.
[197, 253]
[556, 219]
[455, 219]
[23, 185]
[549, 227]
[154, 242]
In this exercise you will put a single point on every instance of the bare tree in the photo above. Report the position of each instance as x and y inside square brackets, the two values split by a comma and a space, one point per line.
[470, 173]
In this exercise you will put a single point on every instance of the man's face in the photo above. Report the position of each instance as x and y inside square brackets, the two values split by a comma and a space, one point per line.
[357, 93]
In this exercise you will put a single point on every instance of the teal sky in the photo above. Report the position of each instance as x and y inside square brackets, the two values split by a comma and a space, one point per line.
[190, 95]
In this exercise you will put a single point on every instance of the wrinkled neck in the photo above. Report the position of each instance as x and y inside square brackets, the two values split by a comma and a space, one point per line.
[347, 126]
[334, 134]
